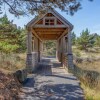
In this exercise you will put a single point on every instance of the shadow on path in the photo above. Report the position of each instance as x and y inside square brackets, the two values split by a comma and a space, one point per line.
[52, 83]
[29, 82]
[58, 92]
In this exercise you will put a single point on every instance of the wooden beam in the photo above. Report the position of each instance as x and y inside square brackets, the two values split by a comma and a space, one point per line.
[57, 33]
[36, 34]
[49, 26]
[63, 33]
[49, 29]
[49, 36]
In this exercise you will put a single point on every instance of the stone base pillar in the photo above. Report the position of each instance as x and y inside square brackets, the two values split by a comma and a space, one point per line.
[32, 62]
[70, 62]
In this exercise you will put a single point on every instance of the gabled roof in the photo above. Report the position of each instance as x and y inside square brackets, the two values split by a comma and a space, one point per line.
[56, 14]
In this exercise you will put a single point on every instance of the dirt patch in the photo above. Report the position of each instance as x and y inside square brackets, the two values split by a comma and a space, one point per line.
[9, 87]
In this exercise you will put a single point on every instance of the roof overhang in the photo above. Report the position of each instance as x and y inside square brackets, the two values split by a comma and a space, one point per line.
[52, 32]
[55, 13]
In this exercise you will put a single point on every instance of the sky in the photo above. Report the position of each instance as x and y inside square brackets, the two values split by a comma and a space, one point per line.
[87, 17]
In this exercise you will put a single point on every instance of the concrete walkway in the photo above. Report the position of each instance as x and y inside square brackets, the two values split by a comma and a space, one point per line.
[51, 82]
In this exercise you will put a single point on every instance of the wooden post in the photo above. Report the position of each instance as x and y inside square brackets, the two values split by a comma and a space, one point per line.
[57, 48]
[29, 42]
[64, 45]
[35, 44]
[29, 63]
[69, 44]
[62, 49]
[69, 53]
[39, 50]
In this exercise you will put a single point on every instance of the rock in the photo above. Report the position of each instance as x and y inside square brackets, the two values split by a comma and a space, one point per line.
[21, 75]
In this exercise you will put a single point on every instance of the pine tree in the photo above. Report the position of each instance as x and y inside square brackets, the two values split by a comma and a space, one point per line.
[97, 41]
[73, 37]
[22, 7]
[85, 40]
[10, 36]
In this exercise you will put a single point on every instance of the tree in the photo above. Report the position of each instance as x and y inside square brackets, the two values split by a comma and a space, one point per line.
[22, 40]
[11, 38]
[85, 40]
[21, 7]
[50, 48]
[97, 41]
[73, 37]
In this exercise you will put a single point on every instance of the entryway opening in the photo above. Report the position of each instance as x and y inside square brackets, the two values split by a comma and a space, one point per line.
[49, 49]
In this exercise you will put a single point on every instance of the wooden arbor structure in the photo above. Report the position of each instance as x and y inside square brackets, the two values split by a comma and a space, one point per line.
[49, 26]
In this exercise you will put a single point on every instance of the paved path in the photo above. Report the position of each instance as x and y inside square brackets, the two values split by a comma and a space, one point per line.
[51, 82]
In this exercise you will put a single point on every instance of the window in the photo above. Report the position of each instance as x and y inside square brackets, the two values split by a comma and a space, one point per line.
[49, 21]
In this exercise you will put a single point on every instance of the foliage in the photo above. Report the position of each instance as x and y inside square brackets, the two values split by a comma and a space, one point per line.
[22, 40]
[85, 40]
[97, 41]
[12, 39]
[90, 94]
[50, 48]
[73, 37]
[22, 7]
